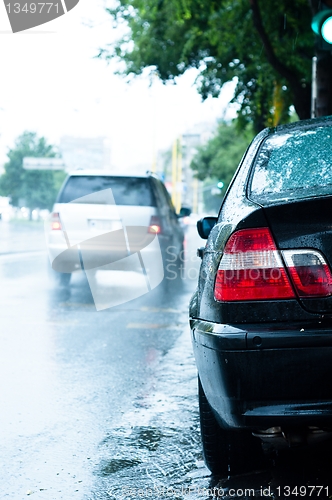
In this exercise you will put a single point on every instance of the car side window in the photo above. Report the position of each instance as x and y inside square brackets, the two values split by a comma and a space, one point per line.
[160, 195]
[168, 199]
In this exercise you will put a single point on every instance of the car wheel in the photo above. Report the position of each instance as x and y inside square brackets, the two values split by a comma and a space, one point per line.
[63, 279]
[59, 279]
[226, 452]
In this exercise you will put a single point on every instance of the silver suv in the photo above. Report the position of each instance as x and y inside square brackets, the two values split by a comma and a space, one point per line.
[103, 221]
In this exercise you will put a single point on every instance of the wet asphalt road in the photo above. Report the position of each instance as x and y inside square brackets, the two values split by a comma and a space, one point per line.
[102, 405]
[92, 403]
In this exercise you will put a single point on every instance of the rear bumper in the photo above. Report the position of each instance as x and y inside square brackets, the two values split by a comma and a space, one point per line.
[108, 250]
[274, 375]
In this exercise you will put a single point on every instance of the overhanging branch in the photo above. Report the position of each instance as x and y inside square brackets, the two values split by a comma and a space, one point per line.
[283, 70]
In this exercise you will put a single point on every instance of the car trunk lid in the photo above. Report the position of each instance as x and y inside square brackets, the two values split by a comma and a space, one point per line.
[304, 228]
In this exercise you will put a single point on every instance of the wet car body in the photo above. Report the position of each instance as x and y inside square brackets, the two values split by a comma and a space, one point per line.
[263, 351]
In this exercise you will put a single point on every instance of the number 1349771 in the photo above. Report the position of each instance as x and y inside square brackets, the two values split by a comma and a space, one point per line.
[303, 491]
[32, 8]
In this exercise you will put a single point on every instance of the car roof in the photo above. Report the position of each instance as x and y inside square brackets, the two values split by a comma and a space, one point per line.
[302, 124]
[110, 173]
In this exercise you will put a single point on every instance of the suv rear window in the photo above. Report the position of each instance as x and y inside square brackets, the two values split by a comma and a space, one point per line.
[134, 191]
[292, 165]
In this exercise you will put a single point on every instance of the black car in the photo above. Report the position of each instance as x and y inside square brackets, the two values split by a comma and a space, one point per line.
[261, 317]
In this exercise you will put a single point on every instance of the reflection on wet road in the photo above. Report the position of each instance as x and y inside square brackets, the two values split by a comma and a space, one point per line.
[92, 401]
[102, 405]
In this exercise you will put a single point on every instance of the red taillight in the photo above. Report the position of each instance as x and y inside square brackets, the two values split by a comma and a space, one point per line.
[309, 272]
[55, 222]
[155, 225]
[251, 269]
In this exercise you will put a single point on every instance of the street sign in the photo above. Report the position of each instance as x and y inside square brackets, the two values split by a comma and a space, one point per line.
[30, 163]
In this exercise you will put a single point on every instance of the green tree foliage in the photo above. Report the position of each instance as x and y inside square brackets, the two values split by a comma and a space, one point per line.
[218, 159]
[266, 45]
[38, 188]
[220, 156]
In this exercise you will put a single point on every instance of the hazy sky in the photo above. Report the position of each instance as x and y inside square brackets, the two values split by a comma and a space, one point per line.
[51, 84]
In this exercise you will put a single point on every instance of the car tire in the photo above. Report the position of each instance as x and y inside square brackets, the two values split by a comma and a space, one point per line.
[226, 452]
[63, 279]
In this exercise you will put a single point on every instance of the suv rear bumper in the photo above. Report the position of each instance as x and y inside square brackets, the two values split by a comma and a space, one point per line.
[102, 252]
[271, 375]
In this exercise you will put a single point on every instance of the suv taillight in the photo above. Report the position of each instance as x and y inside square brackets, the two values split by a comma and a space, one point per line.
[251, 269]
[155, 225]
[55, 221]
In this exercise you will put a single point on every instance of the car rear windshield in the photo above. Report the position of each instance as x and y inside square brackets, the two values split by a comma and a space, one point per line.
[136, 191]
[293, 165]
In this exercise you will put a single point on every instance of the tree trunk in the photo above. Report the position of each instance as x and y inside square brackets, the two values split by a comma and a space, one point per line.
[302, 100]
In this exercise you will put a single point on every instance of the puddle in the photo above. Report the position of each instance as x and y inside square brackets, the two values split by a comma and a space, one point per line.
[116, 465]
[148, 438]
[158, 441]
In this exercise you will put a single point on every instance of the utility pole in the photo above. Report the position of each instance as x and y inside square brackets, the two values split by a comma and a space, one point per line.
[314, 87]
[321, 24]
